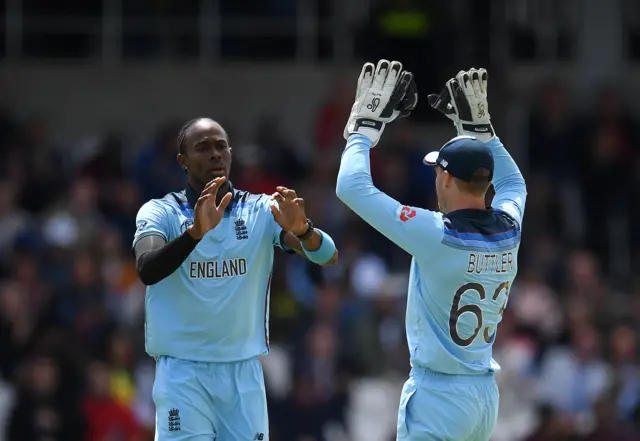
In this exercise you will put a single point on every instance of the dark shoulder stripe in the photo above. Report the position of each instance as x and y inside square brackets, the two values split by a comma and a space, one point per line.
[495, 232]
[242, 197]
[179, 197]
[492, 237]
[506, 217]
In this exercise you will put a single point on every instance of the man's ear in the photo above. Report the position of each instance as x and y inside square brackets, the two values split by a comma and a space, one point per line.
[447, 180]
[182, 160]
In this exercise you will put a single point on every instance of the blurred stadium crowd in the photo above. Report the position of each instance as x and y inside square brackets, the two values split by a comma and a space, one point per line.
[71, 307]
[72, 361]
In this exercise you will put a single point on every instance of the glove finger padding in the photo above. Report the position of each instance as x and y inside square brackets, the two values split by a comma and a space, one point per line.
[484, 77]
[392, 81]
[399, 92]
[475, 82]
[384, 93]
[442, 102]
[379, 78]
[364, 80]
[464, 101]
[410, 99]
[460, 97]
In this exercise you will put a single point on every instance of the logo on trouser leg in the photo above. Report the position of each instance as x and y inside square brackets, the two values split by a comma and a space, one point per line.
[174, 420]
[258, 437]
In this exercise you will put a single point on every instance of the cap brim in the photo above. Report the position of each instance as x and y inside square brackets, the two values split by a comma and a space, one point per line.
[431, 158]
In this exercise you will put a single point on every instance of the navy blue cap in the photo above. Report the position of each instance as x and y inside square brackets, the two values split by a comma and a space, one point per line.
[461, 157]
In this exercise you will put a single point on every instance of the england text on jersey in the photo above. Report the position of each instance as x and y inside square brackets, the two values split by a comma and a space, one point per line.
[217, 269]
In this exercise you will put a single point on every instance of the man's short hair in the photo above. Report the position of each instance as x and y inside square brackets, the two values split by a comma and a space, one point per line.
[183, 134]
[479, 183]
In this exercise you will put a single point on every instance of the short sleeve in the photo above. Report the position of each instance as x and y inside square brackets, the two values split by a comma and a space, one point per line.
[152, 220]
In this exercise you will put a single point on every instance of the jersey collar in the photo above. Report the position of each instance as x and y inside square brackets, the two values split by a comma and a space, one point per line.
[192, 196]
[476, 213]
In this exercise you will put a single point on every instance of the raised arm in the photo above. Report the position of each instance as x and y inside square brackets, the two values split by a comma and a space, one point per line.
[464, 101]
[384, 92]
[509, 185]
[414, 229]
[294, 232]
[157, 257]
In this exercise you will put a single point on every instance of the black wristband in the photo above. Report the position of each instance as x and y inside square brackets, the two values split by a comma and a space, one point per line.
[307, 233]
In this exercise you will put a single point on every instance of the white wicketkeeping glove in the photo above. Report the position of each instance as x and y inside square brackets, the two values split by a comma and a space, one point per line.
[464, 101]
[384, 93]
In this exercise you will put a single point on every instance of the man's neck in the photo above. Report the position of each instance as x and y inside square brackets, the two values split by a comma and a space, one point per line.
[198, 188]
[226, 187]
[466, 203]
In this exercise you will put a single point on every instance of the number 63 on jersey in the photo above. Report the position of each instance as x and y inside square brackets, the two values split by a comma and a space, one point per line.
[480, 292]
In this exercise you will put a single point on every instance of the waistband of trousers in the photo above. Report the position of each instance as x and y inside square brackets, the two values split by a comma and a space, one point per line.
[420, 373]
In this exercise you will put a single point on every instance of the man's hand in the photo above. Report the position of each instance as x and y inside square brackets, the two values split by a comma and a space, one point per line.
[206, 215]
[384, 93]
[289, 211]
[464, 101]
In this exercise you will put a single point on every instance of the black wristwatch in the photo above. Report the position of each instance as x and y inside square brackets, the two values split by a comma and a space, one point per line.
[307, 233]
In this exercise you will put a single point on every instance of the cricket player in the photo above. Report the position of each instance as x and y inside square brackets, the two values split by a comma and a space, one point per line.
[464, 257]
[206, 256]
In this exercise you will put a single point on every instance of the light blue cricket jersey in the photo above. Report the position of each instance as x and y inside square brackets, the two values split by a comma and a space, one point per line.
[215, 307]
[463, 263]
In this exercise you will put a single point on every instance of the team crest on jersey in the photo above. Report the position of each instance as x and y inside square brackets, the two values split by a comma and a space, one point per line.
[407, 213]
[186, 224]
[241, 229]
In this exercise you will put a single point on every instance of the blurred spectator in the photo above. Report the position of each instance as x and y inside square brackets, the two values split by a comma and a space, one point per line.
[377, 336]
[76, 219]
[106, 418]
[553, 137]
[516, 349]
[43, 411]
[17, 324]
[332, 114]
[282, 158]
[42, 181]
[573, 379]
[611, 143]
[535, 305]
[608, 426]
[13, 220]
[250, 170]
[552, 426]
[304, 415]
[624, 350]
[120, 363]
[156, 169]
[555, 162]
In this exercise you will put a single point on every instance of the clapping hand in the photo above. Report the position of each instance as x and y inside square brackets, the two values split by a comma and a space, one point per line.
[206, 214]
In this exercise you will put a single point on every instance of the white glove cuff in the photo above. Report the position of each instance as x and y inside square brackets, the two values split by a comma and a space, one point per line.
[483, 132]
